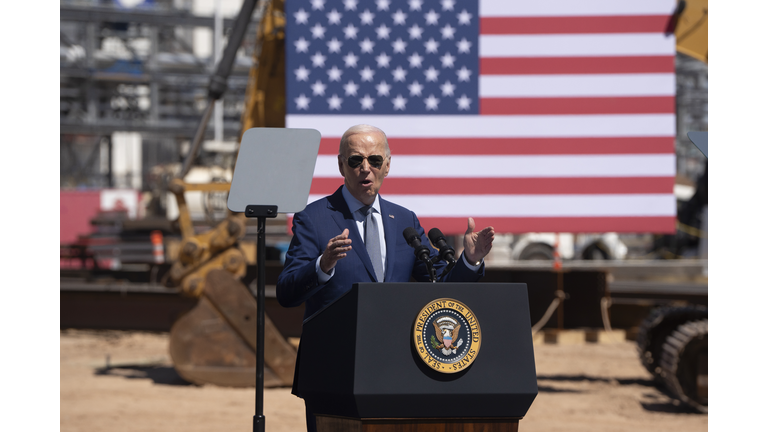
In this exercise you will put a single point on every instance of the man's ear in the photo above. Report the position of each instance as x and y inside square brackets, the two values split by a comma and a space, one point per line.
[386, 170]
[341, 165]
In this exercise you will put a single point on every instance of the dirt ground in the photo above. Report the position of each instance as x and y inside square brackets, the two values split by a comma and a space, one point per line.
[593, 387]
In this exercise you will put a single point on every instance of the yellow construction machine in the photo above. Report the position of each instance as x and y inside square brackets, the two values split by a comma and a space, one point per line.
[692, 29]
[215, 342]
[673, 341]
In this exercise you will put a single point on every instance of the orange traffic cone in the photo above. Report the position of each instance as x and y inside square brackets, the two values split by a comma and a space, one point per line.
[558, 264]
[157, 246]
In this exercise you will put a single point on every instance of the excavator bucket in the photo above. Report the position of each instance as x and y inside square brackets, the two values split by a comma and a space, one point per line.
[215, 342]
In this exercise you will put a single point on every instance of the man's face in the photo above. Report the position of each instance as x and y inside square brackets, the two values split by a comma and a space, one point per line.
[364, 181]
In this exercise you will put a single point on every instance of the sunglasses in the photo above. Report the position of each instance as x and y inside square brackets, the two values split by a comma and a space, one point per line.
[375, 161]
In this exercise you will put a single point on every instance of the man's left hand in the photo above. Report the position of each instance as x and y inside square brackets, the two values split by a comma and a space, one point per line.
[477, 244]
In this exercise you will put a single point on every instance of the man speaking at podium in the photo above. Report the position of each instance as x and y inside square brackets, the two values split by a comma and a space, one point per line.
[356, 236]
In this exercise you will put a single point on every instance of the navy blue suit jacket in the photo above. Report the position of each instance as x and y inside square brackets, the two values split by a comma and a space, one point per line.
[327, 218]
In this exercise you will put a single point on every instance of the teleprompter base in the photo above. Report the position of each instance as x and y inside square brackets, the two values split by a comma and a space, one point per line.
[346, 424]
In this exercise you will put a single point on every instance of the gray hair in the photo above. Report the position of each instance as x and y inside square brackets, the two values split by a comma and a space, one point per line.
[363, 129]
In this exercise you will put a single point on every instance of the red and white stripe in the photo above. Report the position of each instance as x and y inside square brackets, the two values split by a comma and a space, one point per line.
[576, 130]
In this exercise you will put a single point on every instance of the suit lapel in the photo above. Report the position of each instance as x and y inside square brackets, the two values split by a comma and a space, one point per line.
[390, 236]
[343, 217]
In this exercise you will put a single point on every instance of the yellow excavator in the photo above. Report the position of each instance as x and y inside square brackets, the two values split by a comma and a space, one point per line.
[691, 20]
[215, 342]
[672, 342]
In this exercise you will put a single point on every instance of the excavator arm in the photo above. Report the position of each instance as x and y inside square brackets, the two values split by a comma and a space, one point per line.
[215, 342]
[691, 21]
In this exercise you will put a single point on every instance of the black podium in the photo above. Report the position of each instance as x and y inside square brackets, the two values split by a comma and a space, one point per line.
[360, 368]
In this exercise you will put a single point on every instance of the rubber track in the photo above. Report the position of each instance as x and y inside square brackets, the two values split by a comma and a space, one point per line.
[679, 362]
[655, 329]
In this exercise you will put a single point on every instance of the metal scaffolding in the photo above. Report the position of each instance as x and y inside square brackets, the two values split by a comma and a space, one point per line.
[136, 70]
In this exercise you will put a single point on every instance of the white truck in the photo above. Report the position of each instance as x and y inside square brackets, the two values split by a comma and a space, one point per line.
[542, 246]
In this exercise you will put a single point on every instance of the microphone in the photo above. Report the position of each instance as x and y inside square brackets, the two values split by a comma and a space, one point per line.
[412, 238]
[447, 253]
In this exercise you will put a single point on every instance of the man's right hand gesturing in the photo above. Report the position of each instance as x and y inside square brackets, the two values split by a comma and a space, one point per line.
[337, 249]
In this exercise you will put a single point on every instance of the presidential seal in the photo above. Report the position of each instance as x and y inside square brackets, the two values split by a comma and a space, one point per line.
[446, 335]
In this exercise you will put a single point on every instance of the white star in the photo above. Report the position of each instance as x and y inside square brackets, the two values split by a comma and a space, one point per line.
[415, 4]
[350, 32]
[464, 73]
[447, 4]
[350, 60]
[399, 17]
[431, 17]
[399, 45]
[382, 60]
[399, 102]
[367, 74]
[447, 60]
[334, 17]
[350, 4]
[431, 102]
[302, 73]
[463, 102]
[334, 45]
[302, 102]
[317, 4]
[464, 17]
[431, 45]
[383, 88]
[318, 60]
[366, 17]
[382, 4]
[318, 88]
[464, 45]
[415, 60]
[334, 74]
[318, 31]
[415, 32]
[415, 88]
[447, 31]
[350, 88]
[447, 88]
[382, 32]
[302, 45]
[334, 102]
[399, 74]
[366, 102]
[366, 45]
[301, 16]
[431, 74]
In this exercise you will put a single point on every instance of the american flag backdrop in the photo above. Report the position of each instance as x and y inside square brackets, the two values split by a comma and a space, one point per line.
[531, 116]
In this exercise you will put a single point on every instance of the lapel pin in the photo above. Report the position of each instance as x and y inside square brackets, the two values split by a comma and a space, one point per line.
[392, 216]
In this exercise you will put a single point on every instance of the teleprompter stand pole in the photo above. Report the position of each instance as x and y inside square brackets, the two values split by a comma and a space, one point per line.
[257, 194]
[262, 212]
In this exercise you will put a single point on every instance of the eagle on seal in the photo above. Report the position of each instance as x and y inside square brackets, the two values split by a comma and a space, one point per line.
[446, 336]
